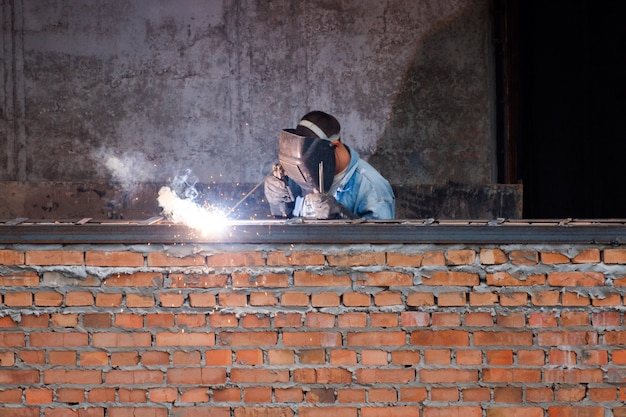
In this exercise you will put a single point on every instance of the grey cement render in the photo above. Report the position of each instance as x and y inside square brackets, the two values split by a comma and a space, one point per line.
[206, 85]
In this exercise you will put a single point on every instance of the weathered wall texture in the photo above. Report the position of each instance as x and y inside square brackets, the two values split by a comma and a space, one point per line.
[207, 85]
[312, 331]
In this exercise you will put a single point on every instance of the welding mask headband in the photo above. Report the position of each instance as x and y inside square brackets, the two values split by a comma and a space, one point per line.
[301, 156]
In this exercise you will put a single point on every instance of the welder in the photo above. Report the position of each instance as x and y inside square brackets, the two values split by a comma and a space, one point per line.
[319, 177]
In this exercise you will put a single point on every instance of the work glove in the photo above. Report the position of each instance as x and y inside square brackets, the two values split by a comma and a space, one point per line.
[279, 196]
[324, 206]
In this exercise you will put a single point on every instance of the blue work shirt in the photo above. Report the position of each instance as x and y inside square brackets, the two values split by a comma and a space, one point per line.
[363, 191]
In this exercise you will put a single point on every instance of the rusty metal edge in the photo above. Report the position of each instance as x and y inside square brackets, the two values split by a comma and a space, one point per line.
[332, 232]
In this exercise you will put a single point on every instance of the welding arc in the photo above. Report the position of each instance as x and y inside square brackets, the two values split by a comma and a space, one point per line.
[246, 196]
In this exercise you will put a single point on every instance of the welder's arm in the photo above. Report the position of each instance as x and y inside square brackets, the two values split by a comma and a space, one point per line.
[324, 206]
[280, 193]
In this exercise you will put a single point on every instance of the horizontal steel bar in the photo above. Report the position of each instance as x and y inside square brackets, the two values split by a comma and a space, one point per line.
[321, 232]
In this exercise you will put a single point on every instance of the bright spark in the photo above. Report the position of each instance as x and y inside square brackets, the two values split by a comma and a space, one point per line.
[184, 211]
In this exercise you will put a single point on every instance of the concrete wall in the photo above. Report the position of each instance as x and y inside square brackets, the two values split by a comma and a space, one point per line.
[168, 85]
[251, 330]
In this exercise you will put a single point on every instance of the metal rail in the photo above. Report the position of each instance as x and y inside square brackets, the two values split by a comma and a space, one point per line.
[157, 230]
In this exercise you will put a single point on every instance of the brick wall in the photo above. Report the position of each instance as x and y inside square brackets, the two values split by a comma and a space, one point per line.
[312, 331]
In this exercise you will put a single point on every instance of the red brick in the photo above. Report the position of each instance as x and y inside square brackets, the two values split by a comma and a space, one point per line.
[446, 319]
[288, 395]
[312, 356]
[575, 411]
[374, 357]
[136, 377]
[587, 256]
[381, 395]
[327, 411]
[551, 258]
[576, 279]
[163, 395]
[515, 412]
[452, 278]
[185, 339]
[191, 320]
[511, 375]
[31, 357]
[513, 299]
[469, 357]
[12, 340]
[268, 280]
[519, 257]
[433, 258]
[404, 259]
[385, 376]
[38, 395]
[327, 339]
[294, 299]
[248, 338]
[79, 299]
[545, 298]
[574, 318]
[288, 320]
[11, 396]
[19, 279]
[600, 395]
[437, 357]
[195, 395]
[356, 299]
[414, 319]
[101, 258]
[320, 320]
[165, 259]
[311, 279]
[503, 338]
[223, 320]
[136, 279]
[392, 338]
[448, 376]
[412, 394]
[573, 376]
[452, 299]
[607, 300]
[325, 299]
[64, 320]
[479, 319]
[461, 256]
[571, 394]
[160, 320]
[63, 358]
[505, 279]
[139, 300]
[71, 377]
[236, 259]
[357, 259]
[230, 395]
[567, 338]
[129, 321]
[476, 395]
[343, 357]
[296, 258]
[614, 256]
[263, 299]
[281, 357]
[11, 257]
[198, 280]
[70, 395]
[492, 256]
[352, 320]
[453, 411]
[59, 339]
[511, 320]
[133, 339]
[440, 338]
[444, 394]
[230, 299]
[258, 375]
[499, 357]
[478, 299]
[154, 358]
[420, 299]
[258, 395]
[121, 359]
[88, 359]
[387, 298]
[405, 357]
[542, 320]
[136, 411]
[18, 299]
[385, 320]
[54, 257]
[539, 395]
[202, 300]
[194, 358]
[171, 300]
[109, 300]
[255, 321]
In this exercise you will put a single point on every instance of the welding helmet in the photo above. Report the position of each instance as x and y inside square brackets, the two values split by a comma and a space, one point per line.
[303, 157]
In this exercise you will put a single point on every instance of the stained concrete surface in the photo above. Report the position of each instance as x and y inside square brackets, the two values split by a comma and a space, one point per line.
[206, 86]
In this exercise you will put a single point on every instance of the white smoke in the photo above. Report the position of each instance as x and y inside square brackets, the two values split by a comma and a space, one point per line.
[129, 169]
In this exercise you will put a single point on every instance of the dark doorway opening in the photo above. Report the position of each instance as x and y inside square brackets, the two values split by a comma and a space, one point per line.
[561, 68]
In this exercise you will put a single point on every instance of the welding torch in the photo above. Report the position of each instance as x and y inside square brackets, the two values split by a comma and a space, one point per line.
[277, 170]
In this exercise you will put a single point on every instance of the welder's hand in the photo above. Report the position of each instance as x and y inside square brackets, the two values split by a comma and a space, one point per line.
[279, 196]
[324, 206]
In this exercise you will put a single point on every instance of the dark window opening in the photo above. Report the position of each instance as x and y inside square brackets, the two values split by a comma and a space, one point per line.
[561, 82]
